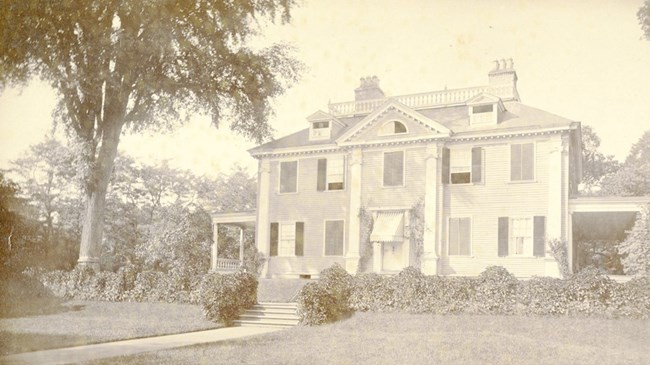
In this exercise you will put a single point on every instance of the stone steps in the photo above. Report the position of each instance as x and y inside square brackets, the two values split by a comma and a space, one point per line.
[269, 315]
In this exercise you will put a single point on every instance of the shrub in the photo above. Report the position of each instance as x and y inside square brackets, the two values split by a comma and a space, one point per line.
[22, 295]
[410, 292]
[448, 294]
[151, 286]
[636, 247]
[495, 291]
[589, 291]
[372, 292]
[559, 250]
[328, 299]
[631, 299]
[542, 296]
[224, 297]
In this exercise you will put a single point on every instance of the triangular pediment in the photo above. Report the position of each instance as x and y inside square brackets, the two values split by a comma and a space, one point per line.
[321, 116]
[485, 98]
[374, 126]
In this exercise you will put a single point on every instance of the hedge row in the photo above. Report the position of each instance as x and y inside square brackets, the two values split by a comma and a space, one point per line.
[222, 296]
[495, 291]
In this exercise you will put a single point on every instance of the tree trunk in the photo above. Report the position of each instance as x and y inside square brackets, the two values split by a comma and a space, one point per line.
[93, 220]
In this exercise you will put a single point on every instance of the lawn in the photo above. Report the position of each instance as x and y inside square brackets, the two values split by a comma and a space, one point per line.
[85, 322]
[396, 338]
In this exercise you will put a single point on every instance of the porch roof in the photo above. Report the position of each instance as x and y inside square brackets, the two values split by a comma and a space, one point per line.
[607, 203]
[241, 219]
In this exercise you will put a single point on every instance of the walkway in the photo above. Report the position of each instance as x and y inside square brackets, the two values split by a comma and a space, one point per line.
[130, 347]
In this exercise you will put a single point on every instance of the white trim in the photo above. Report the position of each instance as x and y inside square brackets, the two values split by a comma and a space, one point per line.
[392, 103]
[523, 133]
[381, 127]
[325, 235]
[534, 179]
[383, 165]
[532, 235]
[471, 234]
[279, 192]
[327, 168]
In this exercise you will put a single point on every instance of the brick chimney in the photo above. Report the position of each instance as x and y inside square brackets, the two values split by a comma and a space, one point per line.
[369, 89]
[503, 80]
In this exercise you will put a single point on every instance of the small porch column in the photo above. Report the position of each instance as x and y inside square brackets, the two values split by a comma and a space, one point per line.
[215, 247]
[263, 225]
[377, 256]
[429, 259]
[352, 255]
[557, 191]
[241, 246]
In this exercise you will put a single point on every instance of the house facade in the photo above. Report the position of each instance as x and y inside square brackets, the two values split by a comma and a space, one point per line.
[449, 181]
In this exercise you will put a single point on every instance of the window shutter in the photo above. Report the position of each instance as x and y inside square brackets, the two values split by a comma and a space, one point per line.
[300, 238]
[477, 164]
[445, 165]
[515, 162]
[322, 174]
[503, 236]
[539, 236]
[274, 239]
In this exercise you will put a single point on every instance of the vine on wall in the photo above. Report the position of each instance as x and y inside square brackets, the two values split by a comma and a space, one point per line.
[366, 222]
[416, 229]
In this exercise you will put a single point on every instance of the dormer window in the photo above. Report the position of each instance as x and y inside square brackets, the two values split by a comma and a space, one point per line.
[482, 114]
[320, 130]
[393, 127]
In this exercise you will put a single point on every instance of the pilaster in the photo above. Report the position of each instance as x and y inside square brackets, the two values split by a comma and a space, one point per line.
[352, 255]
[262, 224]
[215, 247]
[429, 258]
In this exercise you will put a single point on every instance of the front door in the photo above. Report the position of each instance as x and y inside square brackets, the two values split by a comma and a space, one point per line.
[392, 259]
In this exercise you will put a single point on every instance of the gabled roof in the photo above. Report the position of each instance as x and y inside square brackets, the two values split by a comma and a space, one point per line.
[389, 105]
[516, 118]
[320, 115]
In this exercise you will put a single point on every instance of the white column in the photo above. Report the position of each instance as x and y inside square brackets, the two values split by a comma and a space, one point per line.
[429, 259]
[377, 257]
[556, 190]
[215, 247]
[406, 244]
[241, 246]
[262, 225]
[354, 225]
[569, 241]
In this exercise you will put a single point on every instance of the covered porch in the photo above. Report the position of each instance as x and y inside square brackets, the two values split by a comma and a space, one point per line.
[603, 222]
[241, 220]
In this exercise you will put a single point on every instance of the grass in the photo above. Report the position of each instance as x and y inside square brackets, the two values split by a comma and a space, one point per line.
[391, 338]
[85, 322]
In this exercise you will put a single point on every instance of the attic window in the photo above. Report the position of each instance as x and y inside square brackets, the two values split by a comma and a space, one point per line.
[393, 127]
[483, 109]
[320, 131]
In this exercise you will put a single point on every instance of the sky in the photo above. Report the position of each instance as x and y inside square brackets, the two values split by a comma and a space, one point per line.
[583, 60]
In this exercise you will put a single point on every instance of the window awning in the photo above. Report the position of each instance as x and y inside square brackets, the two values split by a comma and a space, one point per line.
[388, 227]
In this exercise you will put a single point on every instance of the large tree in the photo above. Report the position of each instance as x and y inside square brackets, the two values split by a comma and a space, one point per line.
[595, 164]
[644, 19]
[633, 178]
[136, 64]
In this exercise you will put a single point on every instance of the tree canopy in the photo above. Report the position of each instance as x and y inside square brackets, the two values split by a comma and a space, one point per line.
[144, 64]
[595, 164]
[633, 178]
[644, 19]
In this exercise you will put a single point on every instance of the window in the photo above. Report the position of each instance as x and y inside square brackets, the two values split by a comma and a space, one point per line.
[288, 176]
[320, 131]
[460, 236]
[522, 162]
[482, 109]
[394, 168]
[334, 231]
[392, 127]
[462, 165]
[331, 173]
[287, 239]
[521, 237]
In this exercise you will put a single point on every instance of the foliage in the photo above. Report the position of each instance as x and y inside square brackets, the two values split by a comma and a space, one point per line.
[416, 227]
[633, 178]
[631, 299]
[636, 247]
[24, 295]
[589, 291]
[495, 291]
[559, 251]
[365, 227]
[603, 254]
[133, 65]
[595, 165]
[644, 19]
[225, 297]
[542, 296]
[326, 300]
[372, 292]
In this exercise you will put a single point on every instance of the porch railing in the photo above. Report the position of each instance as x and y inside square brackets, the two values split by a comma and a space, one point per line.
[227, 264]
